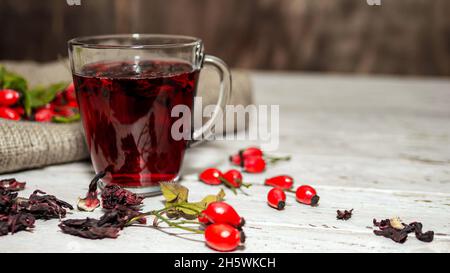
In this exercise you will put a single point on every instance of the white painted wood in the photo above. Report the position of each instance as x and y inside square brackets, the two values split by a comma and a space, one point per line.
[378, 145]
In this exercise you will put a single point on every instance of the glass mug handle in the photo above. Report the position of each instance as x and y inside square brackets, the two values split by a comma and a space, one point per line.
[204, 132]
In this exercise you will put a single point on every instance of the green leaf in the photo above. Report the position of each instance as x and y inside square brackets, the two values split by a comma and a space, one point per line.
[210, 199]
[189, 209]
[41, 95]
[174, 192]
[61, 119]
[10, 80]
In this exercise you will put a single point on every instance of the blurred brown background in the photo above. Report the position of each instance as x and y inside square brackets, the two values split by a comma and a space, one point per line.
[399, 37]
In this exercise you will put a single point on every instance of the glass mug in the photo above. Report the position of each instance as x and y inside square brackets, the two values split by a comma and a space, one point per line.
[127, 86]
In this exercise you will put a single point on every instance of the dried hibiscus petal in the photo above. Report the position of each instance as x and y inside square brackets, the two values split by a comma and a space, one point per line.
[12, 184]
[344, 215]
[16, 222]
[7, 200]
[120, 216]
[88, 228]
[44, 206]
[91, 201]
[398, 231]
[424, 237]
[113, 195]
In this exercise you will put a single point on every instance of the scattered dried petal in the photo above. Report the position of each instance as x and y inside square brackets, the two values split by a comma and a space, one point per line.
[91, 201]
[389, 228]
[119, 216]
[113, 195]
[344, 215]
[44, 206]
[12, 184]
[88, 228]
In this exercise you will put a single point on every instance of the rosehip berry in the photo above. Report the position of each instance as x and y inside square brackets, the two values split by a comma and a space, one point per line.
[254, 164]
[59, 99]
[221, 212]
[276, 198]
[72, 103]
[234, 178]
[211, 176]
[8, 113]
[19, 110]
[203, 219]
[65, 111]
[70, 93]
[223, 237]
[251, 151]
[236, 160]
[9, 97]
[307, 195]
[282, 181]
[43, 115]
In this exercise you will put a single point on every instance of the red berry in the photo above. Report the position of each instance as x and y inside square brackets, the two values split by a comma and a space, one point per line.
[211, 176]
[254, 164]
[236, 159]
[70, 93]
[65, 111]
[44, 115]
[19, 110]
[9, 97]
[203, 219]
[223, 237]
[59, 99]
[307, 195]
[282, 181]
[276, 198]
[234, 178]
[8, 113]
[221, 212]
[72, 103]
[251, 151]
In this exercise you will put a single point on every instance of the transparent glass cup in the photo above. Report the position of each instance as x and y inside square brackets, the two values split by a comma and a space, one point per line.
[127, 87]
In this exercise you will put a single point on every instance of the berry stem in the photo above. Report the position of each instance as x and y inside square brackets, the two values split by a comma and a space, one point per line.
[228, 184]
[275, 159]
[177, 225]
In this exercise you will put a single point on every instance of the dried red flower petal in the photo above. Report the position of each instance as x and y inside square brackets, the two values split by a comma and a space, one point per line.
[12, 184]
[7, 200]
[88, 228]
[91, 201]
[44, 206]
[16, 222]
[344, 215]
[400, 235]
[120, 216]
[113, 195]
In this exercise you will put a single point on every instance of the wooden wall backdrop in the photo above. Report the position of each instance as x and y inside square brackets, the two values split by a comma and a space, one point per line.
[398, 37]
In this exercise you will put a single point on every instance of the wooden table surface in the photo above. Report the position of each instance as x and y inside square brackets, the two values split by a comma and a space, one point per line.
[378, 145]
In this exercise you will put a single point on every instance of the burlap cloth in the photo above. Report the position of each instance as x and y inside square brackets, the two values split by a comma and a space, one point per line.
[25, 145]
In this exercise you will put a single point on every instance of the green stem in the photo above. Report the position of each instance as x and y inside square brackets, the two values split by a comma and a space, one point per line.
[145, 214]
[228, 184]
[274, 159]
[173, 224]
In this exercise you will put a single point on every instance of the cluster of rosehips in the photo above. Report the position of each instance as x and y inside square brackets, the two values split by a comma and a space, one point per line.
[223, 224]
[253, 160]
[64, 105]
[232, 178]
[276, 197]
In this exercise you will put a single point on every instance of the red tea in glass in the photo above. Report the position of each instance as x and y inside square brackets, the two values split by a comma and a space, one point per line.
[127, 86]
[127, 118]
